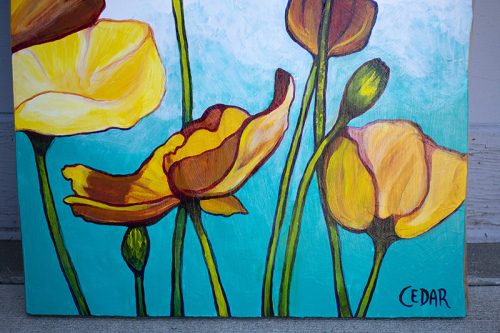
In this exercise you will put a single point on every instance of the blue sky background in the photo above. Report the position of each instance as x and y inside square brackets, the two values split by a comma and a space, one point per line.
[235, 47]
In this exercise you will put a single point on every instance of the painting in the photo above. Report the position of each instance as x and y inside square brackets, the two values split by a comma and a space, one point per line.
[302, 158]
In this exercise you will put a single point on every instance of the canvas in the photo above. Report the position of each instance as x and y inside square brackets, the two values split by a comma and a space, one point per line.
[301, 158]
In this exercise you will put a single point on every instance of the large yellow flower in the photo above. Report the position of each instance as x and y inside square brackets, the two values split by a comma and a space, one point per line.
[39, 21]
[209, 160]
[351, 24]
[391, 169]
[106, 76]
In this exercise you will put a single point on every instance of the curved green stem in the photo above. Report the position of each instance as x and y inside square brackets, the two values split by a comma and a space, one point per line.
[41, 144]
[298, 209]
[139, 294]
[267, 289]
[176, 301]
[220, 299]
[187, 86]
[381, 247]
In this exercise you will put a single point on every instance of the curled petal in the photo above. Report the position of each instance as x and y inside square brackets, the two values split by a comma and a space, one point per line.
[106, 76]
[41, 21]
[448, 180]
[350, 27]
[349, 187]
[103, 198]
[225, 206]
[394, 153]
[216, 167]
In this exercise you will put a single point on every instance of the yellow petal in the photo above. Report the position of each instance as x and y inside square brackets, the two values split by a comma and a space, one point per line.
[260, 138]
[147, 184]
[350, 193]
[127, 215]
[143, 197]
[216, 162]
[447, 189]
[106, 76]
[225, 206]
[394, 153]
[41, 21]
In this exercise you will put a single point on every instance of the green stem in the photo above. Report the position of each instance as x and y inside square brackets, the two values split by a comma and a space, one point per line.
[322, 59]
[41, 144]
[343, 308]
[220, 299]
[267, 290]
[139, 294]
[187, 86]
[176, 301]
[298, 209]
[381, 247]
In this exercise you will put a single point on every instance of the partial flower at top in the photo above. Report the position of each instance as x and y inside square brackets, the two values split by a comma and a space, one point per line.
[210, 159]
[390, 169]
[351, 24]
[106, 76]
[35, 22]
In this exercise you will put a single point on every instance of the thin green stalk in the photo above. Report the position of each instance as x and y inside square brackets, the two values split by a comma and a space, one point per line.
[322, 59]
[343, 308]
[381, 247]
[267, 290]
[139, 294]
[187, 86]
[298, 209]
[176, 301]
[220, 299]
[40, 146]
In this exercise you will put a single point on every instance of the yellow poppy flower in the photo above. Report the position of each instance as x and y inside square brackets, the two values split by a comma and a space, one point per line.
[40, 21]
[391, 169]
[209, 159]
[351, 24]
[106, 76]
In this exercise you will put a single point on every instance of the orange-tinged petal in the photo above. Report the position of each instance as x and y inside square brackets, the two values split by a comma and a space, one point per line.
[41, 21]
[217, 124]
[127, 215]
[350, 193]
[350, 26]
[394, 153]
[106, 76]
[448, 180]
[359, 29]
[149, 183]
[215, 171]
[225, 206]
[142, 197]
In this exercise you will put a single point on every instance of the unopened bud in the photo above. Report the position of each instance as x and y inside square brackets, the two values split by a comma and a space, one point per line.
[135, 248]
[364, 88]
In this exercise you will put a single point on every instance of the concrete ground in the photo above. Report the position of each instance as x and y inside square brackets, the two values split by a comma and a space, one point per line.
[483, 316]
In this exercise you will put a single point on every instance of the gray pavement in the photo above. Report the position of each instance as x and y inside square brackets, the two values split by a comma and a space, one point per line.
[484, 308]
[482, 317]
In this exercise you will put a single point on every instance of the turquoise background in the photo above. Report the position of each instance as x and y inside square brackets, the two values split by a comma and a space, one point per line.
[235, 47]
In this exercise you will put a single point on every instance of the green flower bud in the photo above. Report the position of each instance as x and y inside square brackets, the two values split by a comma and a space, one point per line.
[135, 248]
[364, 88]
